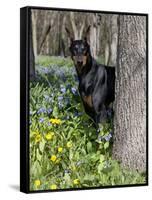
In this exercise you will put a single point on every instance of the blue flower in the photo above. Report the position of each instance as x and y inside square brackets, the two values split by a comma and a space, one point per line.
[74, 90]
[60, 105]
[45, 70]
[108, 137]
[63, 89]
[49, 124]
[60, 98]
[47, 98]
[41, 120]
[49, 110]
[41, 110]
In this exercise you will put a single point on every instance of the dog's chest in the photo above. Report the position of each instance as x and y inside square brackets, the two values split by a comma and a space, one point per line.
[86, 90]
[87, 100]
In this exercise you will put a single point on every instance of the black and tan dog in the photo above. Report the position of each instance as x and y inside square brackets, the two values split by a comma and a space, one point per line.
[96, 81]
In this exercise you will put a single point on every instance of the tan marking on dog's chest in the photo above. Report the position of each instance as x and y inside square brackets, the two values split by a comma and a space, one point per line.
[88, 100]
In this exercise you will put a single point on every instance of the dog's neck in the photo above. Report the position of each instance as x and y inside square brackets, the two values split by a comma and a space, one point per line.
[86, 68]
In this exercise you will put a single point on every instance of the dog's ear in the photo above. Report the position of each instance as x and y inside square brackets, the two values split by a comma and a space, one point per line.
[69, 34]
[87, 35]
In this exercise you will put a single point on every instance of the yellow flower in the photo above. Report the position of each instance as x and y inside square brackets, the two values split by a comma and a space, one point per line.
[53, 187]
[49, 135]
[55, 121]
[76, 181]
[37, 183]
[38, 137]
[69, 144]
[53, 158]
[60, 149]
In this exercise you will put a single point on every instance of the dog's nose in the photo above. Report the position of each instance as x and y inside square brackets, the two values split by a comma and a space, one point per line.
[79, 63]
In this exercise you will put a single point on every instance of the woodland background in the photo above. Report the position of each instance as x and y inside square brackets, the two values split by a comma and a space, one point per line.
[50, 37]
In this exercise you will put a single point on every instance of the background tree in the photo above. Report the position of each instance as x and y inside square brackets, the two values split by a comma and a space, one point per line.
[31, 55]
[130, 106]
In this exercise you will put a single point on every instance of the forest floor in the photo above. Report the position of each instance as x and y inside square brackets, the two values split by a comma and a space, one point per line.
[65, 151]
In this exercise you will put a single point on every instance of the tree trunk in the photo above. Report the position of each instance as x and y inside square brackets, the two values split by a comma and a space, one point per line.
[31, 56]
[75, 30]
[130, 105]
[34, 31]
[61, 49]
[107, 30]
[113, 40]
[93, 36]
[111, 37]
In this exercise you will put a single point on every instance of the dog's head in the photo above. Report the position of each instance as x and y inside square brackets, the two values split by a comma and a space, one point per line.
[80, 50]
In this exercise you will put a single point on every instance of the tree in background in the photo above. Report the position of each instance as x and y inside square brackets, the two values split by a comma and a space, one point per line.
[31, 54]
[50, 37]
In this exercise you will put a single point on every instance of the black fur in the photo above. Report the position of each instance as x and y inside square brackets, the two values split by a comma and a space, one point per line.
[95, 81]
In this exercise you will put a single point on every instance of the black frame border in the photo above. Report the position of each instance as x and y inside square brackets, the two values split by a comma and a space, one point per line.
[25, 22]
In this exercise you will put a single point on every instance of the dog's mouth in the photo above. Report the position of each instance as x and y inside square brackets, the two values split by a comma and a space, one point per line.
[80, 63]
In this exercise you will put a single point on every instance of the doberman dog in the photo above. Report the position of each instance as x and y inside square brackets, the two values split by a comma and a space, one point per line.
[96, 81]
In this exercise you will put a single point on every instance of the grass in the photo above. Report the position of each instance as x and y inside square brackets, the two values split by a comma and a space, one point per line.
[65, 151]
[46, 61]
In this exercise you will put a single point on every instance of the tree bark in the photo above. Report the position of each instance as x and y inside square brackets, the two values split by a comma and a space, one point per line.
[75, 30]
[113, 40]
[34, 31]
[130, 105]
[31, 56]
[93, 36]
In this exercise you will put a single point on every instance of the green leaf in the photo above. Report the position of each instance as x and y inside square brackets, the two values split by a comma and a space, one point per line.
[94, 157]
[38, 155]
[70, 155]
[106, 145]
[55, 111]
[41, 145]
[102, 158]
[89, 147]
[100, 167]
